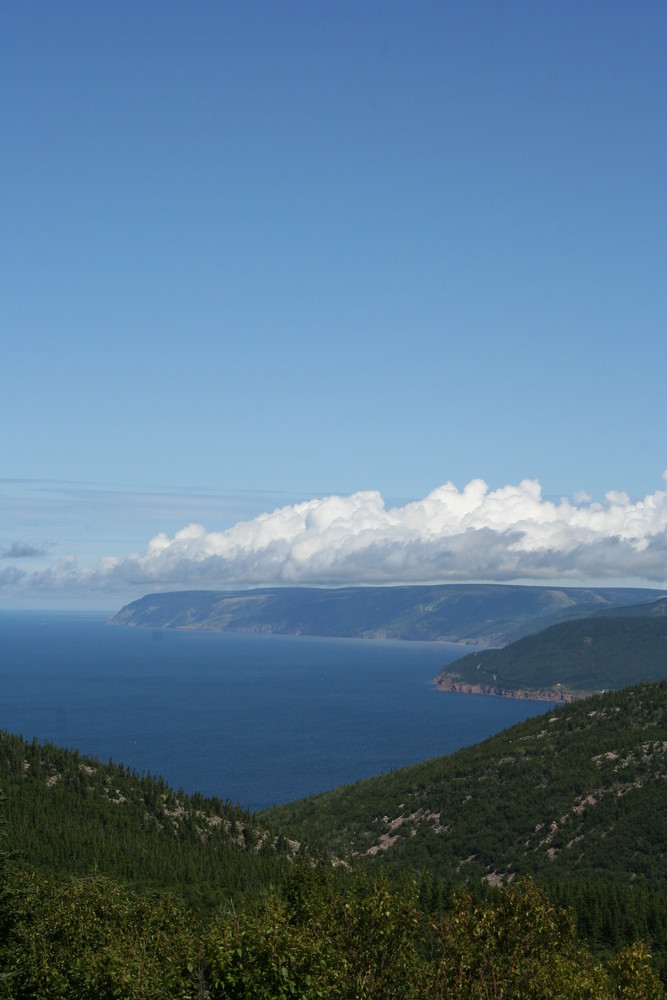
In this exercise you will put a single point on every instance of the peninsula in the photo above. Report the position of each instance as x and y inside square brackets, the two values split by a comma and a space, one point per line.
[479, 615]
[570, 660]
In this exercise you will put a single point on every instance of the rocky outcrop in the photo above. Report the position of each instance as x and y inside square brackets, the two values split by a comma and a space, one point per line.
[450, 682]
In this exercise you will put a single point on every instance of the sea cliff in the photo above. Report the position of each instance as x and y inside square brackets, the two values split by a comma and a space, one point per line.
[558, 695]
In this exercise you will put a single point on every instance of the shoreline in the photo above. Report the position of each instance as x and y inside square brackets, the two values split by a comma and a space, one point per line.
[557, 695]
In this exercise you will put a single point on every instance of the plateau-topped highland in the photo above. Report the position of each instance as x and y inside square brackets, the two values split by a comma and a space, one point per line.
[479, 614]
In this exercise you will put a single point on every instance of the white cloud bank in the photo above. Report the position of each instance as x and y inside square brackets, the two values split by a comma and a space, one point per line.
[501, 535]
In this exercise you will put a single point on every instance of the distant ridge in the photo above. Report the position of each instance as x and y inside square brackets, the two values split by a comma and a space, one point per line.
[655, 609]
[477, 614]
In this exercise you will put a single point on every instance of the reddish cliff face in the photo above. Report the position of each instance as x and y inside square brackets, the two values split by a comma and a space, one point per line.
[452, 683]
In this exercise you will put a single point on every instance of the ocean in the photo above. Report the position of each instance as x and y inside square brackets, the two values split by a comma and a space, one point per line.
[257, 719]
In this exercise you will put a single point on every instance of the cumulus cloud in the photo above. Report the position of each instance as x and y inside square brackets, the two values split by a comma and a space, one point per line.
[508, 534]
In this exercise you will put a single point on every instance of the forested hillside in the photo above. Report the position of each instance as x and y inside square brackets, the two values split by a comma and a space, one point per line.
[579, 792]
[570, 659]
[70, 814]
[577, 798]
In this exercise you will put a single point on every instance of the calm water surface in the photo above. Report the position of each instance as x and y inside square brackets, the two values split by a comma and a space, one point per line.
[253, 718]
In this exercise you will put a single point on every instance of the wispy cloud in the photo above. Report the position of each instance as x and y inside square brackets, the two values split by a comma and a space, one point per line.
[502, 535]
[23, 550]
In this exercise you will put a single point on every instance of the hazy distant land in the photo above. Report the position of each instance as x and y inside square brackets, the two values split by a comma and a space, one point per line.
[475, 614]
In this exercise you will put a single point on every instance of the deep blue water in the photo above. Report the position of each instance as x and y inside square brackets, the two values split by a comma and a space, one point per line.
[253, 718]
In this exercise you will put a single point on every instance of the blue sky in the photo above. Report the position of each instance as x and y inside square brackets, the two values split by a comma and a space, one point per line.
[254, 256]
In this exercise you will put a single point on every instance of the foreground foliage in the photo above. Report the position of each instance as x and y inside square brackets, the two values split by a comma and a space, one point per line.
[90, 939]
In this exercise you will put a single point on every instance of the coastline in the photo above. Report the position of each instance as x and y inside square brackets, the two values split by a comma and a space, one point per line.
[458, 686]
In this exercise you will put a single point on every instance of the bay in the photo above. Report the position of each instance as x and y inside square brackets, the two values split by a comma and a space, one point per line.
[257, 719]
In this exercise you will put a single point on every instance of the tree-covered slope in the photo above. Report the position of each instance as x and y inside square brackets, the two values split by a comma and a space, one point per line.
[653, 609]
[578, 793]
[69, 814]
[475, 613]
[572, 658]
